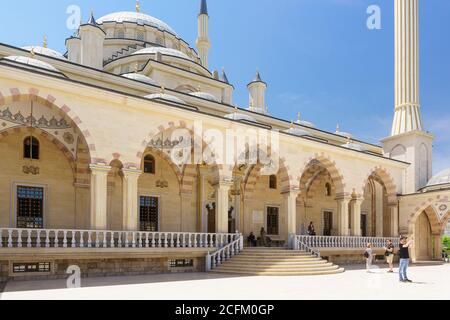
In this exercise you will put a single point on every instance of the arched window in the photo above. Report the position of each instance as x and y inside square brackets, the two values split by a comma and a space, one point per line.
[328, 190]
[149, 164]
[273, 182]
[31, 148]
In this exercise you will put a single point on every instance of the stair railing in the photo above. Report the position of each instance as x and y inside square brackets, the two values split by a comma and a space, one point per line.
[213, 260]
[297, 244]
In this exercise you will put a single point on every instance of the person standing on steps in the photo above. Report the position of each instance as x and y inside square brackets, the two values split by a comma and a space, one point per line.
[389, 253]
[263, 237]
[404, 258]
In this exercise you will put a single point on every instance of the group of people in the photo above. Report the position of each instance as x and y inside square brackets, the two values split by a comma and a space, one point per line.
[253, 241]
[389, 249]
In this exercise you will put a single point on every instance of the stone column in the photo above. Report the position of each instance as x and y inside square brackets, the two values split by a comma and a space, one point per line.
[342, 216]
[187, 224]
[237, 203]
[393, 213]
[99, 192]
[222, 206]
[290, 200]
[437, 248]
[130, 199]
[356, 217]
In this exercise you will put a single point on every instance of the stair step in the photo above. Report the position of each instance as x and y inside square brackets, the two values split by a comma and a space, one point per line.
[277, 264]
[268, 273]
[232, 266]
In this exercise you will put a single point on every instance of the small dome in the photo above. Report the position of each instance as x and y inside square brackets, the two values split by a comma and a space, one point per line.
[354, 146]
[204, 95]
[138, 18]
[164, 96]
[163, 51]
[45, 51]
[306, 124]
[33, 63]
[140, 77]
[442, 177]
[239, 116]
[297, 132]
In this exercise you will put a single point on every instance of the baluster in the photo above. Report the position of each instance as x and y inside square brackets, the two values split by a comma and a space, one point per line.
[166, 240]
[19, 239]
[200, 236]
[10, 240]
[190, 240]
[153, 239]
[64, 239]
[81, 239]
[119, 240]
[195, 240]
[147, 241]
[1, 238]
[29, 239]
[73, 242]
[183, 240]
[38, 238]
[133, 239]
[125, 236]
[172, 240]
[112, 240]
[140, 240]
[219, 258]
[89, 241]
[214, 262]
[97, 238]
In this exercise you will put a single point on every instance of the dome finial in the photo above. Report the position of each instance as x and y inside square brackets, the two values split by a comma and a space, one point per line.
[92, 19]
[258, 76]
[224, 77]
[32, 53]
[163, 90]
[44, 42]
[138, 6]
[299, 117]
[338, 128]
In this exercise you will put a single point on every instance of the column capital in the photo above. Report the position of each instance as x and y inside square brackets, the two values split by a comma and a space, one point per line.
[131, 172]
[344, 198]
[392, 204]
[223, 184]
[98, 168]
[291, 191]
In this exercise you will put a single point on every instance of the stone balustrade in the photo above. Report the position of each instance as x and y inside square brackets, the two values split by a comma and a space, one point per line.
[317, 242]
[61, 238]
[226, 253]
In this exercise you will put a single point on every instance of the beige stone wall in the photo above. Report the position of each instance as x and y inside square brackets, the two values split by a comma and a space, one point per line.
[56, 176]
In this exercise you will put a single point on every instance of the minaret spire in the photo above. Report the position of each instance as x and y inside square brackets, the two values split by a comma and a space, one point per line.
[203, 43]
[407, 100]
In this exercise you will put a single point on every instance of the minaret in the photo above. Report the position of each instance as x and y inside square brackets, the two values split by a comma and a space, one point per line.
[257, 90]
[407, 102]
[408, 141]
[203, 44]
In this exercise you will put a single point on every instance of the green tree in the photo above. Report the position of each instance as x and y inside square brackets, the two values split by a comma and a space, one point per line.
[446, 242]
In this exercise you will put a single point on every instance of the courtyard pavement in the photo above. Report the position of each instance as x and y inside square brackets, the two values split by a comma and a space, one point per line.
[431, 282]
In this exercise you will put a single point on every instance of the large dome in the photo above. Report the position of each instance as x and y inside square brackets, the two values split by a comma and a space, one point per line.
[163, 51]
[441, 178]
[138, 18]
[45, 51]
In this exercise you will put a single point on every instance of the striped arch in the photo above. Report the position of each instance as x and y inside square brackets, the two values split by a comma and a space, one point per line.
[187, 174]
[43, 135]
[327, 163]
[382, 176]
[437, 227]
[254, 173]
[34, 94]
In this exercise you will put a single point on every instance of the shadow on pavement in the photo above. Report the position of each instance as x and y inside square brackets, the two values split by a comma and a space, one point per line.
[34, 285]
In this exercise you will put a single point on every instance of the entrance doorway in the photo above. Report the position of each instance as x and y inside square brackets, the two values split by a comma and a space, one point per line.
[327, 223]
[211, 217]
[364, 225]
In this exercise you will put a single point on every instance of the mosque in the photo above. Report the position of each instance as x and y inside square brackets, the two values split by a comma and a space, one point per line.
[95, 144]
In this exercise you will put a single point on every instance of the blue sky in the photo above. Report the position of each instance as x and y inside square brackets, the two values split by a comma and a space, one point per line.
[317, 56]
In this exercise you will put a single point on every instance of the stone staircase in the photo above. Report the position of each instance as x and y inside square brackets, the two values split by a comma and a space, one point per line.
[276, 262]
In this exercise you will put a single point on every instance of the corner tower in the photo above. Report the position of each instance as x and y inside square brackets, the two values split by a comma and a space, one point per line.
[203, 44]
[409, 141]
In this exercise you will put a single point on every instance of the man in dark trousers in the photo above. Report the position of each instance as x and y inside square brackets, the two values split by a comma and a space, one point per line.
[404, 258]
